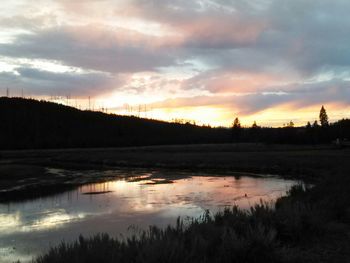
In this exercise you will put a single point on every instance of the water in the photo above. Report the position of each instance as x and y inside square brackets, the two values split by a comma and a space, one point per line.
[123, 206]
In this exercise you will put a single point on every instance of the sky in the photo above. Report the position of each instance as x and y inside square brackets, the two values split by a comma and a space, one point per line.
[270, 61]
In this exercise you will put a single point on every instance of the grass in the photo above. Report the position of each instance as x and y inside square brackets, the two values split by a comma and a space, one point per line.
[257, 158]
[308, 225]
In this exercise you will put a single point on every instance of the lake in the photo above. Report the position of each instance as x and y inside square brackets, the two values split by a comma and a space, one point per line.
[124, 205]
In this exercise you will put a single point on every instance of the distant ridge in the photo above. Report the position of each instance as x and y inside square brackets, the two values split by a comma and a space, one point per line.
[29, 123]
[33, 124]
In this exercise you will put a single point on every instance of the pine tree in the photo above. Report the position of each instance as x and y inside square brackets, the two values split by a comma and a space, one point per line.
[323, 117]
[236, 130]
[290, 124]
[236, 123]
[255, 126]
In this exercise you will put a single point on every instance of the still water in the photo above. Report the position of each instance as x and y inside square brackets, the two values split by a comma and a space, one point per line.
[124, 205]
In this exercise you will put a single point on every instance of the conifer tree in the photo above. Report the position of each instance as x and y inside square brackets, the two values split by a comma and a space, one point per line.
[236, 130]
[255, 126]
[236, 123]
[323, 117]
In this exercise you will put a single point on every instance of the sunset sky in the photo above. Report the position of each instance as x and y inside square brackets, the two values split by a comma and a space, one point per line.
[266, 60]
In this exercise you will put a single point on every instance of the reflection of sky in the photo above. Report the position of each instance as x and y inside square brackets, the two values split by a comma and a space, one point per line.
[29, 227]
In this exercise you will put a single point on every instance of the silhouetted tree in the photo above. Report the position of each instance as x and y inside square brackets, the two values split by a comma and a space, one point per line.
[255, 133]
[315, 124]
[323, 117]
[324, 133]
[309, 133]
[255, 126]
[236, 123]
[236, 130]
[290, 124]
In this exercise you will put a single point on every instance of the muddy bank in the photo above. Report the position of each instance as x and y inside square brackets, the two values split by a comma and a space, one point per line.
[21, 181]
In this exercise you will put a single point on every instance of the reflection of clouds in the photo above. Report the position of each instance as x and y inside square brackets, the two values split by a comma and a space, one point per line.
[18, 222]
[131, 202]
[9, 254]
[9, 221]
[53, 219]
[126, 196]
[129, 198]
[196, 193]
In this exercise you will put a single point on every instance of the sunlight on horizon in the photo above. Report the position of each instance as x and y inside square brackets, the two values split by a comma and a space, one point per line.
[199, 61]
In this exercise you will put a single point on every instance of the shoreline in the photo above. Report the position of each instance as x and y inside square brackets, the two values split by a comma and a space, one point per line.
[28, 174]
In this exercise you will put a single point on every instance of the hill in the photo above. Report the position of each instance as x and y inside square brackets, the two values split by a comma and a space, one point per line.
[28, 123]
[33, 124]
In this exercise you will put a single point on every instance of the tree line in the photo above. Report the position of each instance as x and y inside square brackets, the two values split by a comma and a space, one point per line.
[30, 124]
[321, 131]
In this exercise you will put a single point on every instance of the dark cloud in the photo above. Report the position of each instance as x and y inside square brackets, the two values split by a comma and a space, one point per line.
[27, 23]
[308, 37]
[90, 48]
[39, 82]
[305, 36]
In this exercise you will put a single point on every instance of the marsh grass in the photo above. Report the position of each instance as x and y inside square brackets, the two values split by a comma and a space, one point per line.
[295, 229]
[289, 231]
[230, 236]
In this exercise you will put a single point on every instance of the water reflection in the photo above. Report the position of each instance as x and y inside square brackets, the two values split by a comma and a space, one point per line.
[30, 227]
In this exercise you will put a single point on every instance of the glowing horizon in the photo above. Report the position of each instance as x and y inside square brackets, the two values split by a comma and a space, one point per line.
[206, 61]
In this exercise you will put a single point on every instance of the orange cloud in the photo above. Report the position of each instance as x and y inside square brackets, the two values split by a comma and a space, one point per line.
[236, 82]
[219, 31]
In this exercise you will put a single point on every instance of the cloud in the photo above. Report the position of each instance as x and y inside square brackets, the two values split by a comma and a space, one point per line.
[91, 47]
[39, 82]
[221, 81]
[305, 36]
[303, 95]
[244, 55]
[202, 24]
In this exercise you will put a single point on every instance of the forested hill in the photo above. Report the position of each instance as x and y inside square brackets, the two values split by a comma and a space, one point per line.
[28, 123]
